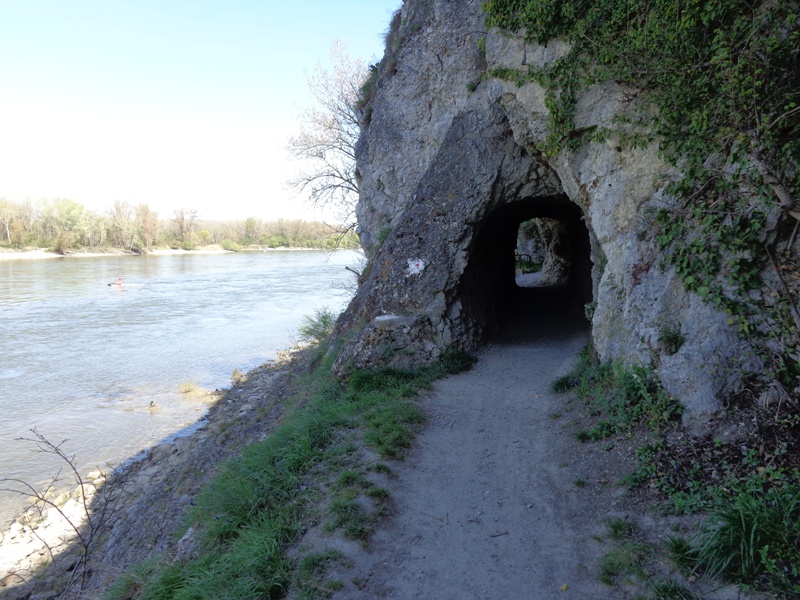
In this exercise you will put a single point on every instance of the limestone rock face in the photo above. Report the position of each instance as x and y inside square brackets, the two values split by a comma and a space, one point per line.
[417, 106]
[450, 165]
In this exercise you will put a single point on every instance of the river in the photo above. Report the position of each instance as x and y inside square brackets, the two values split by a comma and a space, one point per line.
[82, 361]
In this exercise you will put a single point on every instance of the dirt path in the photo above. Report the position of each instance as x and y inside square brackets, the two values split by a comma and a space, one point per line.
[497, 500]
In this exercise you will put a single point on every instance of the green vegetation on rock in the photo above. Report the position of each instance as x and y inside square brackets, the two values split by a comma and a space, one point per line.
[715, 85]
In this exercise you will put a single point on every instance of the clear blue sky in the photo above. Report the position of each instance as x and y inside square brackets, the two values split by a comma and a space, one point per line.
[176, 103]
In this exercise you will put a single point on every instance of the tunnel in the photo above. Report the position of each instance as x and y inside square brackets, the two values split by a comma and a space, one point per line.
[496, 295]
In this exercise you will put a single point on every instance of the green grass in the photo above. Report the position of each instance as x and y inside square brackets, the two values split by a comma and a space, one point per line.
[623, 563]
[256, 507]
[756, 536]
[311, 572]
[358, 504]
[682, 554]
[620, 529]
[672, 590]
[751, 491]
[624, 396]
[528, 267]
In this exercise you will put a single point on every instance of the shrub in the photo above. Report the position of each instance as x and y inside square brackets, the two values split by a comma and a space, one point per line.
[317, 327]
[230, 245]
[237, 377]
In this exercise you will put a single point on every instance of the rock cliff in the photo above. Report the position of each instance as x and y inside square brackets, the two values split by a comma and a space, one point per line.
[449, 166]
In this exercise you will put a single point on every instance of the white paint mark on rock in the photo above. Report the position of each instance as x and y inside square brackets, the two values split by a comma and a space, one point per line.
[415, 266]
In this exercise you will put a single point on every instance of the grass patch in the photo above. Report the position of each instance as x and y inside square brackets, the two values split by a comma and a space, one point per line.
[623, 563]
[357, 506]
[620, 529]
[187, 387]
[384, 469]
[755, 538]
[672, 590]
[355, 521]
[311, 573]
[749, 486]
[682, 554]
[626, 560]
[256, 507]
[623, 396]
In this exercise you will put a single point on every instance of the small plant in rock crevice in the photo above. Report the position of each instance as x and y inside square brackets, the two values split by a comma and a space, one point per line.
[670, 338]
[383, 234]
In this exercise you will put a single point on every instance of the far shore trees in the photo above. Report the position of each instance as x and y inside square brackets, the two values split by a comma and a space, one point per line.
[147, 222]
[66, 226]
[184, 220]
[8, 212]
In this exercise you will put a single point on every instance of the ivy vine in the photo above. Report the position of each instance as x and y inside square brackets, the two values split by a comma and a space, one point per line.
[719, 89]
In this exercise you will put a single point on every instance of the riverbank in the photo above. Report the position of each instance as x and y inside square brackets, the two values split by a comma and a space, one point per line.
[41, 253]
[136, 508]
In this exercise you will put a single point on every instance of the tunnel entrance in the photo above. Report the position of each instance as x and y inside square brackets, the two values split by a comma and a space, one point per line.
[531, 259]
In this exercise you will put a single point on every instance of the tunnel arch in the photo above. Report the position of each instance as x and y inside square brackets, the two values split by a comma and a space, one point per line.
[488, 290]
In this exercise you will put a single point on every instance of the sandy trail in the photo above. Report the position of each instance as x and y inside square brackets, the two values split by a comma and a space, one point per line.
[486, 505]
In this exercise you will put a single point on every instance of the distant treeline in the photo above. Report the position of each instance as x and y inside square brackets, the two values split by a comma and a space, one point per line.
[64, 225]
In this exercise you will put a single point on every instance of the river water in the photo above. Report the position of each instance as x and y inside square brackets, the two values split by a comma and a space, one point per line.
[82, 361]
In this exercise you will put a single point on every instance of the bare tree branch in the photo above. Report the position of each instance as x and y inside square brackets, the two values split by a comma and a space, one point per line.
[327, 138]
[95, 509]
